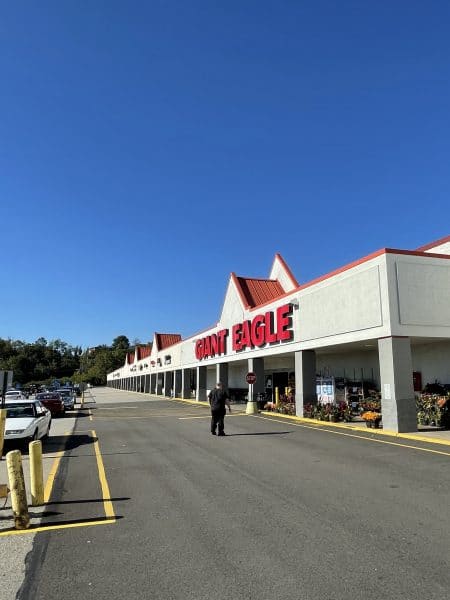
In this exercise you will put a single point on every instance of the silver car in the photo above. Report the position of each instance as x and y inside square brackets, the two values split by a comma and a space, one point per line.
[26, 420]
[68, 397]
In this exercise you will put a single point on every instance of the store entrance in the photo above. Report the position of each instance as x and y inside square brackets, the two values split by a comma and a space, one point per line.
[280, 381]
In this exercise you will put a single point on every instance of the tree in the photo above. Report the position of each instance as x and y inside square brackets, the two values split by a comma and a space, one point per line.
[121, 342]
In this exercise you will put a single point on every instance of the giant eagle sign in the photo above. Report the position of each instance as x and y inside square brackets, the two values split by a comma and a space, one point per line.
[272, 327]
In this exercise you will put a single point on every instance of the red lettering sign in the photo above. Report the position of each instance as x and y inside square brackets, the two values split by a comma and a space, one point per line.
[270, 328]
[264, 329]
[211, 345]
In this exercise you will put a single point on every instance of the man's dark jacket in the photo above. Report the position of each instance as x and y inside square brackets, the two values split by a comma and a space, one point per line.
[217, 399]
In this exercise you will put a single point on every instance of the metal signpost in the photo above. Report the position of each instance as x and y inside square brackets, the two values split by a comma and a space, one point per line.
[251, 404]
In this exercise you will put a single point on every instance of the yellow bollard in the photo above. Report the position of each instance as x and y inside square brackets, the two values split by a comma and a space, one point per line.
[277, 397]
[36, 473]
[2, 430]
[18, 491]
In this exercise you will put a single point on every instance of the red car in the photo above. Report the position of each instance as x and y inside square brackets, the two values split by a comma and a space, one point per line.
[52, 401]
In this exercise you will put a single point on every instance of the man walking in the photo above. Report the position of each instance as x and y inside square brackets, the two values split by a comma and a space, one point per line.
[218, 399]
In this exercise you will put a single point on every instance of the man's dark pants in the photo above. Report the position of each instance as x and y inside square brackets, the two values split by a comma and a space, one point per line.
[217, 419]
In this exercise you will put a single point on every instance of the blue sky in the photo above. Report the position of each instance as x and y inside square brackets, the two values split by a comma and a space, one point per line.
[150, 148]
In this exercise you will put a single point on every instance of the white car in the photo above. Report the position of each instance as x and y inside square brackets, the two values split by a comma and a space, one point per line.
[26, 420]
[14, 395]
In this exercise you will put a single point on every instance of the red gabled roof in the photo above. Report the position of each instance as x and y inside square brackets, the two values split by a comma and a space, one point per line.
[144, 351]
[434, 244]
[164, 340]
[130, 358]
[258, 291]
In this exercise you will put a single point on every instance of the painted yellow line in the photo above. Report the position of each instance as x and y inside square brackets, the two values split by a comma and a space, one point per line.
[359, 437]
[90, 415]
[194, 402]
[53, 527]
[405, 436]
[109, 509]
[51, 476]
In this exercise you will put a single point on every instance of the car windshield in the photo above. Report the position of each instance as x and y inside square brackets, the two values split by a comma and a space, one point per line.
[17, 411]
[65, 392]
[47, 397]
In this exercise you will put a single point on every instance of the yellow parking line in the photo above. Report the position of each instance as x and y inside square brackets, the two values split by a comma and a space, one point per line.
[109, 509]
[90, 415]
[359, 437]
[53, 527]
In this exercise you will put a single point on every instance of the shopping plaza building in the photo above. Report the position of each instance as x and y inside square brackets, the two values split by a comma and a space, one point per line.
[381, 322]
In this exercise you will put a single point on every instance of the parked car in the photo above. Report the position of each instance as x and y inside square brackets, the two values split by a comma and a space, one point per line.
[14, 395]
[52, 401]
[68, 396]
[26, 420]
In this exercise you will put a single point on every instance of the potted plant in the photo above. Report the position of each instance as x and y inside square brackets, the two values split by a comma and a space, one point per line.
[372, 418]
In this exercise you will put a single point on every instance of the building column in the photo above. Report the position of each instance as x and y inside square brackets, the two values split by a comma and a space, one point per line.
[398, 405]
[186, 383]
[177, 384]
[222, 374]
[159, 384]
[305, 380]
[200, 392]
[153, 383]
[168, 383]
[256, 366]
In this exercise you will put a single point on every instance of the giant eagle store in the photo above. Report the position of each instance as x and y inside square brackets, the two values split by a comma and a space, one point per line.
[380, 323]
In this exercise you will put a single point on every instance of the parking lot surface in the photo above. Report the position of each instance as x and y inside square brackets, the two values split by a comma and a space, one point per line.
[148, 504]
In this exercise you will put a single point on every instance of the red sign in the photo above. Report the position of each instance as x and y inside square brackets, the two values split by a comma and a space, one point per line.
[263, 329]
[271, 327]
[250, 378]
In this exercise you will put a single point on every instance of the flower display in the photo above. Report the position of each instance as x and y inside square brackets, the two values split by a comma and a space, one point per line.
[371, 415]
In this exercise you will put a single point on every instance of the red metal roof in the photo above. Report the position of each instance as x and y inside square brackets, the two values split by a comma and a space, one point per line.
[164, 340]
[130, 358]
[144, 351]
[259, 291]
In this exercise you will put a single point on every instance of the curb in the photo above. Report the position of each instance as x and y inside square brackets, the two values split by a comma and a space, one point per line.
[404, 436]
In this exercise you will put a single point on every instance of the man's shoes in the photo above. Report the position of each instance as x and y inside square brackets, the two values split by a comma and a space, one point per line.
[222, 434]
[213, 433]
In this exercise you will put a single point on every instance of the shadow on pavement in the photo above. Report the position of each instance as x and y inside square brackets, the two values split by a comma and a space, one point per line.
[260, 433]
[85, 501]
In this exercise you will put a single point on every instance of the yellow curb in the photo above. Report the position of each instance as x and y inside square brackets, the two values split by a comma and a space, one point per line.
[405, 436]
[195, 402]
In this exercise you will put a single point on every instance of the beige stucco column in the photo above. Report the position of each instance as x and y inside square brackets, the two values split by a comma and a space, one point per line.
[398, 405]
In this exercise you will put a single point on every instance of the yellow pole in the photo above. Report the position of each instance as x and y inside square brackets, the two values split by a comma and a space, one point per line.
[277, 397]
[36, 473]
[18, 491]
[286, 391]
[2, 429]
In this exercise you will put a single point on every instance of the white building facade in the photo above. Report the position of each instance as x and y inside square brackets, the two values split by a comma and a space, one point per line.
[379, 319]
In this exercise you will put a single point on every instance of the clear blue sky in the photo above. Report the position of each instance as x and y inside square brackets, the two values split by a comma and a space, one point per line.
[150, 148]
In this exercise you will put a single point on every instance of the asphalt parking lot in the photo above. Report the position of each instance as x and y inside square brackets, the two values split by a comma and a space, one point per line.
[147, 504]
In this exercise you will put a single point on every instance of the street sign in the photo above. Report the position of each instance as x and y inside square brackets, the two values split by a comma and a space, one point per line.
[250, 378]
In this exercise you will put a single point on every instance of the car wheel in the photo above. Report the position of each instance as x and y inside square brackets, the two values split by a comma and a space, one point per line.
[44, 437]
[35, 436]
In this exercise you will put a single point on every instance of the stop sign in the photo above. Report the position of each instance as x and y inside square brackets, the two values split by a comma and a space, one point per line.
[250, 377]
